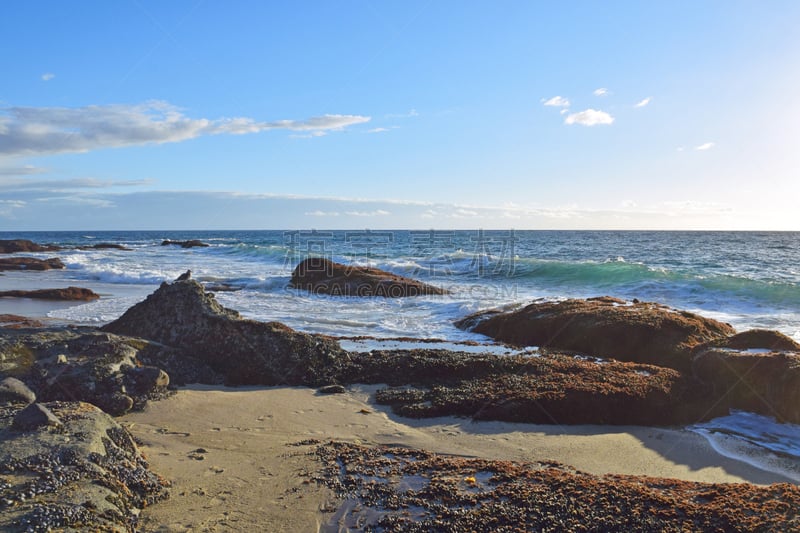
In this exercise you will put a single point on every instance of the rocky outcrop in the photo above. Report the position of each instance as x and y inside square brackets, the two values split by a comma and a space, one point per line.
[24, 245]
[100, 368]
[551, 389]
[757, 339]
[68, 293]
[605, 327]
[763, 382]
[322, 276]
[193, 243]
[182, 315]
[29, 263]
[70, 467]
[13, 390]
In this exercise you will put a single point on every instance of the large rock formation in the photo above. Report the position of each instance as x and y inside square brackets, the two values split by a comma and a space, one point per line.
[24, 245]
[103, 369]
[70, 467]
[184, 316]
[68, 293]
[29, 263]
[604, 327]
[322, 276]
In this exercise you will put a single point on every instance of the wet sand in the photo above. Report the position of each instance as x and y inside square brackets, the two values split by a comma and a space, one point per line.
[228, 452]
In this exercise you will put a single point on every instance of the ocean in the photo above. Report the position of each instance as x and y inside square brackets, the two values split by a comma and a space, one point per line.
[748, 279]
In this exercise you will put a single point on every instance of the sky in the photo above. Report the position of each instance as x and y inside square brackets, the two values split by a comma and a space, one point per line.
[440, 114]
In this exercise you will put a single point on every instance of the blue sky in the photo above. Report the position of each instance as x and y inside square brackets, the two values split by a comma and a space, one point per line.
[437, 114]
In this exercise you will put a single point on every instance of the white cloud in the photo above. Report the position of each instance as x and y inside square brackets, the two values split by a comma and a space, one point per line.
[21, 171]
[556, 101]
[602, 91]
[51, 130]
[47, 76]
[319, 213]
[705, 146]
[375, 213]
[78, 200]
[378, 130]
[589, 117]
[643, 102]
[7, 207]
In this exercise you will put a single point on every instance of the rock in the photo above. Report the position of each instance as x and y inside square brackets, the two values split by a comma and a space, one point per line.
[643, 332]
[70, 365]
[761, 382]
[551, 389]
[106, 246]
[322, 276]
[756, 339]
[84, 475]
[34, 416]
[185, 244]
[69, 293]
[13, 390]
[24, 245]
[16, 322]
[182, 315]
[29, 263]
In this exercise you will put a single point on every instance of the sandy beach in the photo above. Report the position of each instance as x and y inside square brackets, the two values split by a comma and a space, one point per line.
[229, 453]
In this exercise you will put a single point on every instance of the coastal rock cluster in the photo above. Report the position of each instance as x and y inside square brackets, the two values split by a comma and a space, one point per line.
[68, 293]
[757, 370]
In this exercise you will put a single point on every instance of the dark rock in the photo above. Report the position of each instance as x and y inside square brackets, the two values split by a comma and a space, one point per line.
[184, 316]
[34, 416]
[185, 244]
[29, 263]
[643, 332]
[551, 389]
[69, 365]
[322, 276]
[84, 475]
[756, 339]
[24, 245]
[332, 389]
[68, 293]
[106, 246]
[761, 382]
[15, 391]
[221, 287]
[17, 322]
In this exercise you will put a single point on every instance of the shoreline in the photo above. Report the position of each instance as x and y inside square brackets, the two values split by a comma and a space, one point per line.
[228, 451]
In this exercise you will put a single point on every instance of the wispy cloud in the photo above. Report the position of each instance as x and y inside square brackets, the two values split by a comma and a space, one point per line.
[7, 207]
[589, 117]
[47, 76]
[378, 130]
[21, 184]
[705, 146]
[643, 102]
[375, 213]
[27, 170]
[319, 213]
[556, 101]
[602, 91]
[52, 130]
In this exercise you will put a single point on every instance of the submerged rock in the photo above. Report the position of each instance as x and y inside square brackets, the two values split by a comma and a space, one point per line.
[606, 327]
[106, 246]
[18, 322]
[29, 263]
[322, 276]
[68, 293]
[182, 315]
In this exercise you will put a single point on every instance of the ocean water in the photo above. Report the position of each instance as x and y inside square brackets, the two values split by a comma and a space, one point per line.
[748, 279]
